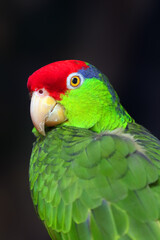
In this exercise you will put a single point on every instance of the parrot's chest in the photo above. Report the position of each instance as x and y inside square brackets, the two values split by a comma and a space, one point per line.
[53, 175]
[82, 181]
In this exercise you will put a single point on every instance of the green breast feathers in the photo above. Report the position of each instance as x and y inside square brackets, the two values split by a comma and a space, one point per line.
[97, 186]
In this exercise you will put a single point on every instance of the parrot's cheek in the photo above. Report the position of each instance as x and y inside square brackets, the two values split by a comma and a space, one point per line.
[45, 111]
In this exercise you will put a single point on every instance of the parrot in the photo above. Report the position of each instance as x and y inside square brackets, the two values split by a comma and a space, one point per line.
[94, 172]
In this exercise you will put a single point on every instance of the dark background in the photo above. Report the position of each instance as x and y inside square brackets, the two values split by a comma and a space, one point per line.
[121, 38]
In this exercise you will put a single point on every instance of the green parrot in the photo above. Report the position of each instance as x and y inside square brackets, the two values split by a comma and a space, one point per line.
[94, 172]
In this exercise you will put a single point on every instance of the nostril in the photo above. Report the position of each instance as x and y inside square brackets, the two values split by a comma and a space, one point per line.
[40, 91]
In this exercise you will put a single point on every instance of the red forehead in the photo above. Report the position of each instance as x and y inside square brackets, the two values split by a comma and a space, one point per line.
[53, 76]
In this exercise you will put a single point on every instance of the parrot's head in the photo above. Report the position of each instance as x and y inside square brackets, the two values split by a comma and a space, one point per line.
[74, 93]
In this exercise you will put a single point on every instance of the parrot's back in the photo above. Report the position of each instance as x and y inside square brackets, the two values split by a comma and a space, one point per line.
[90, 186]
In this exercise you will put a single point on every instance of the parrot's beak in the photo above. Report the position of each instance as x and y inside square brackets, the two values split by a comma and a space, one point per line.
[45, 111]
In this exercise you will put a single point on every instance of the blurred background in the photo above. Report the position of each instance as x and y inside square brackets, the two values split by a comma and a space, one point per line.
[121, 38]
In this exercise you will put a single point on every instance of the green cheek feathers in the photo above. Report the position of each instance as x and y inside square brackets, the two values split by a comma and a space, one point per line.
[83, 108]
[91, 106]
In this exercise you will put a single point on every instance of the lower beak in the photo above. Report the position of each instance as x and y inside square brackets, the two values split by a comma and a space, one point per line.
[45, 111]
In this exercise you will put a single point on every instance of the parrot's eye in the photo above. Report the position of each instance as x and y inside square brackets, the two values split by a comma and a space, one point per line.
[74, 80]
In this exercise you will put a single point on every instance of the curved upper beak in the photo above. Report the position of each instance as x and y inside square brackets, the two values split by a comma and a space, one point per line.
[45, 111]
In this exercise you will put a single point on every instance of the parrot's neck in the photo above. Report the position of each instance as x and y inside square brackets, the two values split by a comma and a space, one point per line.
[112, 118]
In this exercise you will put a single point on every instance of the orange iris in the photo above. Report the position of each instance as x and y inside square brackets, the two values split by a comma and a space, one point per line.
[75, 81]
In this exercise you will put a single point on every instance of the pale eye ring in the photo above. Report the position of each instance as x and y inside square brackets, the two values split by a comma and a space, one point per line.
[74, 80]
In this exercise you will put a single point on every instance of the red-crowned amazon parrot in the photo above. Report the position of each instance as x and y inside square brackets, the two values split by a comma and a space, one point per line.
[94, 172]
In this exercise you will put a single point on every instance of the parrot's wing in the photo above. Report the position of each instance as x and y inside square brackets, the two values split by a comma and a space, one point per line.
[93, 186]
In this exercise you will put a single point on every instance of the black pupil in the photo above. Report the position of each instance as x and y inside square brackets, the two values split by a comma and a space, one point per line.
[74, 80]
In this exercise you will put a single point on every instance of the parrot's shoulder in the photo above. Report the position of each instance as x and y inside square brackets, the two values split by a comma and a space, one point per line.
[147, 141]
